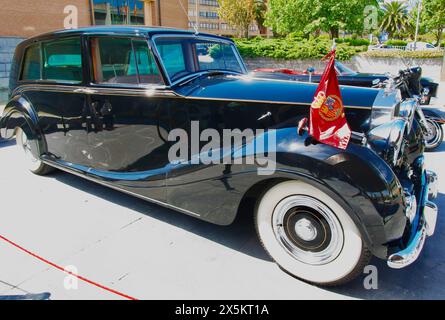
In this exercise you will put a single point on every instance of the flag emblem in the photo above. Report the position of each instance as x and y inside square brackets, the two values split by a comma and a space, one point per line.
[331, 109]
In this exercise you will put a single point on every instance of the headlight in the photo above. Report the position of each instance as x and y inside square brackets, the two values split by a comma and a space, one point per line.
[385, 107]
[388, 140]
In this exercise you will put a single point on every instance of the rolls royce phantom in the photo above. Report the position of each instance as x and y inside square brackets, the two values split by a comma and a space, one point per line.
[102, 102]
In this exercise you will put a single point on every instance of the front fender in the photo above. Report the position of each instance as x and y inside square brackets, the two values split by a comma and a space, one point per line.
[434, 114]
[357, 178]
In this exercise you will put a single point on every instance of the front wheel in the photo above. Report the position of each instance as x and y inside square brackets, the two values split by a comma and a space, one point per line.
[434, 137]
[30, 149]
[310, 235]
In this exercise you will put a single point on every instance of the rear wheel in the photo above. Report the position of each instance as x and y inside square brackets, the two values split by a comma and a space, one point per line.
[30, 148]
[435, 135]
[310, 235]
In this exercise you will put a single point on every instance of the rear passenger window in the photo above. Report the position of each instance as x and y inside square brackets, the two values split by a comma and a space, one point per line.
[62, 60]
[31, 64]
[123, 60]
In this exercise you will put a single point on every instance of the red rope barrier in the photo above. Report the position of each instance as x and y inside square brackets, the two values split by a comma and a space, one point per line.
[66, 271]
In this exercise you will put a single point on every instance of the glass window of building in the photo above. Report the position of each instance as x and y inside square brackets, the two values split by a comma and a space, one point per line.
[127, 12]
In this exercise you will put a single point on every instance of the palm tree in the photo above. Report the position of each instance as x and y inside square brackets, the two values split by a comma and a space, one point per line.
[395, 18]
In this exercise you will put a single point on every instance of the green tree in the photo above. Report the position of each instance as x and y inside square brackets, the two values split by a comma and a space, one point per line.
[395, 19]
[433, 17]
[260, 14]
[238, 13]
[287, 16]
[307, 16]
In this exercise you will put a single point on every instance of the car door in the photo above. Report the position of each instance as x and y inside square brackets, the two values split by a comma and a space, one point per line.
[129, 109]
[51, 79]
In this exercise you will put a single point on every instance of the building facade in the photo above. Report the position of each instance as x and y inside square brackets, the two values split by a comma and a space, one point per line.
[203, 16]
[20, 19]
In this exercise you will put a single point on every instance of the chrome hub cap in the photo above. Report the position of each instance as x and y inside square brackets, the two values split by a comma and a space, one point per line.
[308, 230]
[305, 229]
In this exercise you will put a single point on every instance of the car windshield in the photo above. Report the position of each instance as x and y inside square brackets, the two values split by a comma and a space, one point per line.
[343, 70]
[183, 56]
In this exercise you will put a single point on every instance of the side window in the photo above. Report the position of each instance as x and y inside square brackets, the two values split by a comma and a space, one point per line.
[31, 63]
[173, 57]
[123, 60]
[143, 63]
[62, 60]
[217, 56]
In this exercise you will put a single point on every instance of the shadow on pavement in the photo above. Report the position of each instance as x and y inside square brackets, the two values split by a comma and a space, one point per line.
[28, 296]
[240, 235]
[6, 143]
[425, 279]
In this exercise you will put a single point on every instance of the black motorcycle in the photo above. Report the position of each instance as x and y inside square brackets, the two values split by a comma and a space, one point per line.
[432, 119]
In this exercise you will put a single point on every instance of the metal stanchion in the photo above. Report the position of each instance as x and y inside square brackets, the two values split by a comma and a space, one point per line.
[442, 75]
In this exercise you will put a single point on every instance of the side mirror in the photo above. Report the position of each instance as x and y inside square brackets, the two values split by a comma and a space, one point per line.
[310, 70]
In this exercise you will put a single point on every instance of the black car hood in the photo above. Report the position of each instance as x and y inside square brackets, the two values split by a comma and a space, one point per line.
[245, 88]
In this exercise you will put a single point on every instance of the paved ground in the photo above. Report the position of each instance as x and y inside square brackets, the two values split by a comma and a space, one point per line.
[150, 252]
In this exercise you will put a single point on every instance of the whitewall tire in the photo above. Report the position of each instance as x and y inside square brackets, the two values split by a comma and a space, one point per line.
[309, 234]
[30, 150]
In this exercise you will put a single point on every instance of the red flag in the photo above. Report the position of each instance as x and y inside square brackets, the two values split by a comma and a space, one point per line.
[327, 122]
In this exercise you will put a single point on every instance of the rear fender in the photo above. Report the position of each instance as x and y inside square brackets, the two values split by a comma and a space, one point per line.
[19, 113]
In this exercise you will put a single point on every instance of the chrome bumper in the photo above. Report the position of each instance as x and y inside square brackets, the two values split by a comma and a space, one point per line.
[427, 224]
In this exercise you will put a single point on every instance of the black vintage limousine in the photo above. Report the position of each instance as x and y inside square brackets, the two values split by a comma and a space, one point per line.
[101, 103]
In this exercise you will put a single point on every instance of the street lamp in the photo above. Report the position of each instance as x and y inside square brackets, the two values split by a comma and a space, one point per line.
[419, 8]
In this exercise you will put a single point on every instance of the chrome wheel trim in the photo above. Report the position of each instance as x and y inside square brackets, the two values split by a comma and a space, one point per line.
[305, 229]
[335, 245]
[27, 146]
[433, 137]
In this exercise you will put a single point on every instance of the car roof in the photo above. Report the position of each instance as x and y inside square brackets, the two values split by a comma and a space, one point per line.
[120, 30]
[418, 42]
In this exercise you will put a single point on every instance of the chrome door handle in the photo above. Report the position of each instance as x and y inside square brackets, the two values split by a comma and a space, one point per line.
[85, 91]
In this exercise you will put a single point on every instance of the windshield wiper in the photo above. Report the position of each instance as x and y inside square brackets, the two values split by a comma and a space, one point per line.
[207, 73]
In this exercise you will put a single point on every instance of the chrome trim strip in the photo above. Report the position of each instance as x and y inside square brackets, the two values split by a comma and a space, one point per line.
[261, 101]
[111, 186]
[155, 92]
[251, 75]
